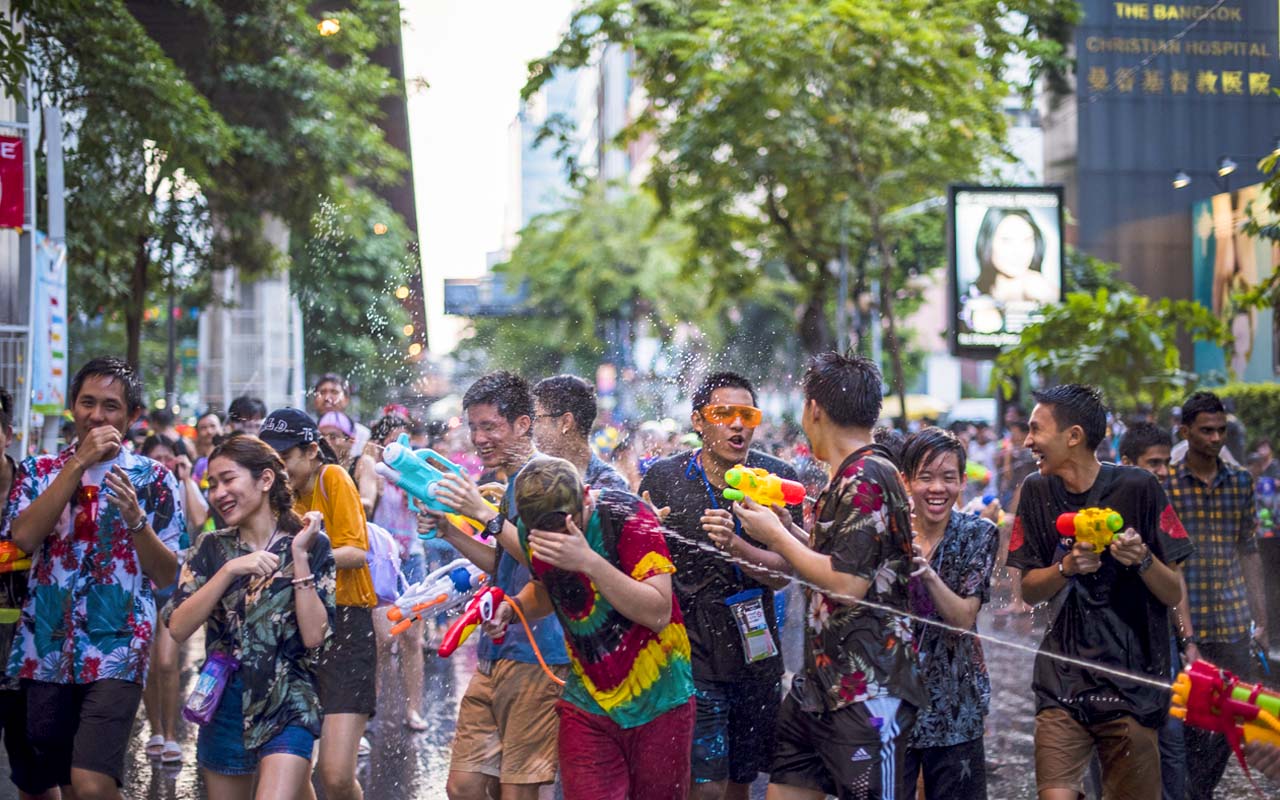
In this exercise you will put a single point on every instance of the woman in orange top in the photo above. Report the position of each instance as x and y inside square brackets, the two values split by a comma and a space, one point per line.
[348, 668]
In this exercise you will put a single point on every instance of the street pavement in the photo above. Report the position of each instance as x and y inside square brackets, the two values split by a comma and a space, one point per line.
[408, 765]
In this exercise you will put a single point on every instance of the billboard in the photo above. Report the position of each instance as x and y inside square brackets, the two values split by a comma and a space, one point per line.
[1005, 265]
[1226, 260]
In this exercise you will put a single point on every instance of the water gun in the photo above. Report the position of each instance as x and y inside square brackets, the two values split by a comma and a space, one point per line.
[12, 559]
[479, 610]
[979, 504]
[973, 471]
[416, 474]
[441, 591]
[1097, 526]
[1213, 699]
[762, 486]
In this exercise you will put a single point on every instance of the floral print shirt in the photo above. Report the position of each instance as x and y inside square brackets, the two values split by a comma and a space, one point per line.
[90, 611]
[855, 652]
[255, 623]
[951, 664]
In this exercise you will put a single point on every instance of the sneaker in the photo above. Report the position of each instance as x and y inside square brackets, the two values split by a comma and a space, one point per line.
[365, 748]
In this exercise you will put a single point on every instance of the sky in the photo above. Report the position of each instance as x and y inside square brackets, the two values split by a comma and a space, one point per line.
[473, 55]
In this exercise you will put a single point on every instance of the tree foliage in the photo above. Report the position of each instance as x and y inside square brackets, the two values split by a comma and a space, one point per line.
[1121, 341]
[777, 122]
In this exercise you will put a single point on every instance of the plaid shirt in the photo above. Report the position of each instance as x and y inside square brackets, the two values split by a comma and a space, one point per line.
[1222, 520]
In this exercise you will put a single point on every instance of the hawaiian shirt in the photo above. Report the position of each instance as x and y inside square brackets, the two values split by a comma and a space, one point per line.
[1221, 518]
[90, 611]
[855, 651]
[951, 664]
[255, 623]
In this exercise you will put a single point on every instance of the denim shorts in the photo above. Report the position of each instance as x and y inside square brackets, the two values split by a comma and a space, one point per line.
[220, 744]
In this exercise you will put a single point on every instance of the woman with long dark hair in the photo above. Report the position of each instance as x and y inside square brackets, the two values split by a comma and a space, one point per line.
[264, 588]
[1010, 250]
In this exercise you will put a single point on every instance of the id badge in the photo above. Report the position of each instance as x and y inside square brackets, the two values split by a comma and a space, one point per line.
[753, 626]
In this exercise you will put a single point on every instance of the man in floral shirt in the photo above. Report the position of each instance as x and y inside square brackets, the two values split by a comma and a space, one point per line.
[99, 522]
[843, 728]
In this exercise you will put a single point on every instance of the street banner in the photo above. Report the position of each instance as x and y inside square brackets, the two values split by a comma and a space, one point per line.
[49, 328]
[1005, 263]
[12, 185]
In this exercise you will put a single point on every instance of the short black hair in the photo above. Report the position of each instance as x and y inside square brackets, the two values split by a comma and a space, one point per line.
[331, 377]
[379, 430]
[245, 408]
[6, 409]
[720, 380]
[155, 440]
[1077, 404]
[160, 417]
[923, 446]
[1140, 437]
[568, 394]
[848, 389]
[890, 439]
[211, 412]
[116, 369]
[1020, 424]
[504, 390]
[1201, 402]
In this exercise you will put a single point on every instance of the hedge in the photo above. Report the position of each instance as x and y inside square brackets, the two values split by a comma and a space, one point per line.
[1258, 407]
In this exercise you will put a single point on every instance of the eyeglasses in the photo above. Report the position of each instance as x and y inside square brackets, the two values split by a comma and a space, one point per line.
[337, 437]
[725, 415]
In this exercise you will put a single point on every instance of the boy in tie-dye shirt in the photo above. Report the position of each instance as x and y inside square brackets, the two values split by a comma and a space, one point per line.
[600, 563]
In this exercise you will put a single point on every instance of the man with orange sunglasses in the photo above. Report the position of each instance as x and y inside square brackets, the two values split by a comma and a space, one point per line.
[737, 668]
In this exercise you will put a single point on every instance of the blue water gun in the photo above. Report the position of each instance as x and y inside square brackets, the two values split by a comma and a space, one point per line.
[418, 474]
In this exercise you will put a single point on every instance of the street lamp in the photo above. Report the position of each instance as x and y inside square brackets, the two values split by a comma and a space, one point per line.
[329, 26]
[1226, 166]
[1181, 179]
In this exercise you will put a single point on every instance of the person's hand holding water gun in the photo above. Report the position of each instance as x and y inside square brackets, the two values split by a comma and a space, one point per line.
[460, 493]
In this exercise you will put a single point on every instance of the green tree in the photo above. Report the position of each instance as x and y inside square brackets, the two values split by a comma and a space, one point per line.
[781, 123]
[1121, 341]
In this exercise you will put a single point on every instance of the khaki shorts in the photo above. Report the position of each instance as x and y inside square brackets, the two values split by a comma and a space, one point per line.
[1129, 752]
[507, 724]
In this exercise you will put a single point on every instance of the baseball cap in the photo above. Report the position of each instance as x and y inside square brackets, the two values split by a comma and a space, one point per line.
[547, 486]
[287, 428]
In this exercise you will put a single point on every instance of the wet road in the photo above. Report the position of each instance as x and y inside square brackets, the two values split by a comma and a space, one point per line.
[408, 765]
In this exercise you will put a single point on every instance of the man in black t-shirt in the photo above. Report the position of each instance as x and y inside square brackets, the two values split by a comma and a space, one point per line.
[738, 686]
[1109, 608]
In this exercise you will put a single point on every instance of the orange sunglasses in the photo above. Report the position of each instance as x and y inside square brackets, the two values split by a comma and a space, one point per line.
[725, 414]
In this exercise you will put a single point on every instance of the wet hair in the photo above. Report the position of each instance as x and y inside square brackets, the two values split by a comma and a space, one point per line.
[720, 380]
[257, 456]
[118, 370]
[505, 391]
[847, 388]
[568, 394]
[176, 446]
[331, 377]
[1201, 403]
[386, 425]
[1077, 404]
[6, 409]
[928, 444]
[245, 408]
[986, 243]
[1142, 436]
[890, 439]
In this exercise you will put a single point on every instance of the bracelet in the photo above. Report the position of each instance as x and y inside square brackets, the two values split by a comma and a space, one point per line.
[142, 523]
[309, 580]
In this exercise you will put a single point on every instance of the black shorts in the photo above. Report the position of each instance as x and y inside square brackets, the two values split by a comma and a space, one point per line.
[842, 752]
[348, 669]
[956, 772]
[83, 725]
[30, 774]
[733, 731]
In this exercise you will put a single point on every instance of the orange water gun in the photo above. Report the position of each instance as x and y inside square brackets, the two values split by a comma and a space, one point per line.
[1213, 699]
[12, 559]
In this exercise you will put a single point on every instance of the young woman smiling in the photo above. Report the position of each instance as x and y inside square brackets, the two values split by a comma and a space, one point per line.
[264, 590]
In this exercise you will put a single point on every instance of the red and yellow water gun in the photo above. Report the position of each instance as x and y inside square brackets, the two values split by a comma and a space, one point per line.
[1213, 699]
[12, 559]
[479, 610]
[762, 486]
[1097, 526]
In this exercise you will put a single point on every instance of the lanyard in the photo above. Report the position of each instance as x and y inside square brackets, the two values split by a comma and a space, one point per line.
[695, 468]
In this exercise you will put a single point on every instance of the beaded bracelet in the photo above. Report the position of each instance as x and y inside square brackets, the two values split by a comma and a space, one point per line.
[309, 580]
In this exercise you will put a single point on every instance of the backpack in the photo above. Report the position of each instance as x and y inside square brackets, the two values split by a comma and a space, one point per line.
[384, 564]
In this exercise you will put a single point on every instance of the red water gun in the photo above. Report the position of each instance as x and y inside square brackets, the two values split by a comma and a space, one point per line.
[12, 559]
[1213, 699]
[479, 610]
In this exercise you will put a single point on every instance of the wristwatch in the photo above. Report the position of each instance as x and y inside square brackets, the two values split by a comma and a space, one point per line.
[494, 526]
[1146, 562]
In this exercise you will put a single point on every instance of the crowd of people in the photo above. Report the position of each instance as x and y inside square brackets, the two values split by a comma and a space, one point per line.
[637, 648]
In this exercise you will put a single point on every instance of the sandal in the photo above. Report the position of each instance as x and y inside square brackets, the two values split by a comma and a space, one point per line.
[155, 746]
[172, 753]
[415, 722]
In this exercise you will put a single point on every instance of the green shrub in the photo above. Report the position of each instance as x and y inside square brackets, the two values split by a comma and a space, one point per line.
[1258, 407]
